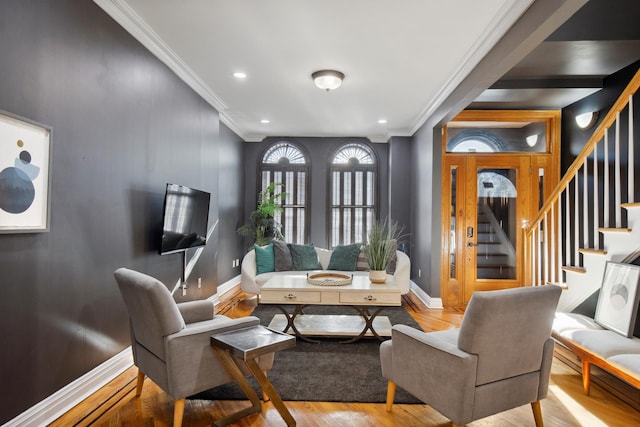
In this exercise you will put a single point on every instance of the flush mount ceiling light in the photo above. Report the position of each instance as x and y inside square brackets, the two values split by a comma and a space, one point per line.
[587, 120]
[327, 79]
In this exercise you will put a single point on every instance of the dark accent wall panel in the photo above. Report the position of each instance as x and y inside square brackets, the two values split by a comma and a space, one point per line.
[320, 150]
[123, 126]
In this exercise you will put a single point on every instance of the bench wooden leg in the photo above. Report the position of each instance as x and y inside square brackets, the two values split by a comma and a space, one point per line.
[586, 376]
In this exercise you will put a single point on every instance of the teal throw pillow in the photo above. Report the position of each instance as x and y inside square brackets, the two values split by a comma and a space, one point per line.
[265, 259]
[344, 257]
[304, 257]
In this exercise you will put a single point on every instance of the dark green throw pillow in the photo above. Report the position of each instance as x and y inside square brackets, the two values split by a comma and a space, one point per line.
[265, 260]
[304, 257]
[344, 257]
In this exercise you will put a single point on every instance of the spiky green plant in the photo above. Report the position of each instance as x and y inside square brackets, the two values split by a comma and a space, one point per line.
[382, 243]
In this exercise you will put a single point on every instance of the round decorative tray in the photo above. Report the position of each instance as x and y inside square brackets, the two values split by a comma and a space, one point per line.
[329, 279]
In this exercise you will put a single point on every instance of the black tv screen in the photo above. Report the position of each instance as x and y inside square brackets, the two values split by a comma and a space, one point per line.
[186, 213]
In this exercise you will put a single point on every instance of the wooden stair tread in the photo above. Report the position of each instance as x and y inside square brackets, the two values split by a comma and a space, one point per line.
[614, 230]
[630, 205]
[592, 251]
[561, 285]
[574, 269]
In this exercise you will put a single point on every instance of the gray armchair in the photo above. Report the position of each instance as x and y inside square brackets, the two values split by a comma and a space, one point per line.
[500, 357]
[170, 342]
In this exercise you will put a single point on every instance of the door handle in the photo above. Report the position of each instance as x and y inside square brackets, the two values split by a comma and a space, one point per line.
[471, 244]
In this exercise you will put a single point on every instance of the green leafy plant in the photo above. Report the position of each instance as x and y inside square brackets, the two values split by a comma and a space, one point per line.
[262, 225]
[382, 243]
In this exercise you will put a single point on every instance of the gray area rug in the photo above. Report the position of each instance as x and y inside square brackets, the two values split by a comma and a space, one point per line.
[328, 371]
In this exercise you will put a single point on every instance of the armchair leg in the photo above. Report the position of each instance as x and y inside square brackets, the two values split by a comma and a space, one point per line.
[178, 412]
[139, 382]
[537, 413]
[391, 392]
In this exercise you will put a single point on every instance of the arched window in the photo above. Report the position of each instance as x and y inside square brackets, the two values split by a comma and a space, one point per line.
[284, 163]
[353, 194]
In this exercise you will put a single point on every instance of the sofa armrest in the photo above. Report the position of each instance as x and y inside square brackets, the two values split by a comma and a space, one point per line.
[248, 273]
[403, 272]
[196, 311]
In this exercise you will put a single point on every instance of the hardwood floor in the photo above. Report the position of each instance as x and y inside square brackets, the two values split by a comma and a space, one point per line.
[566, 404]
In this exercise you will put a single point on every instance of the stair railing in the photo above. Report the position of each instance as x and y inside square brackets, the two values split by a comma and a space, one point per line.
[551, 248]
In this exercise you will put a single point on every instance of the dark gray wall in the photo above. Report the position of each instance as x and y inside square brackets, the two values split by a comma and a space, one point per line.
[123, 126]
[320, 151]
[400, 184]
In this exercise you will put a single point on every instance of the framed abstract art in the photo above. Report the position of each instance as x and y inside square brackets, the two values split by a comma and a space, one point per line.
[617, 306]
[25, 148]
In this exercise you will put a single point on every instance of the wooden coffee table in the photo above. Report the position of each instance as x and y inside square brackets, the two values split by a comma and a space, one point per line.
[361, 294]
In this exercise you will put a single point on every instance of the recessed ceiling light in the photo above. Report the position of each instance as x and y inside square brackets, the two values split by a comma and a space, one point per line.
[240, 75]
[382, 121]
[265, 121]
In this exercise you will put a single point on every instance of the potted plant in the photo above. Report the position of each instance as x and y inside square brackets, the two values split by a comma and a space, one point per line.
[262, 225]
[380, 248]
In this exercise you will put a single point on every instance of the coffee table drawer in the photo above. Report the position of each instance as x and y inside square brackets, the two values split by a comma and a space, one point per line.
[370, 298]
[289, 297]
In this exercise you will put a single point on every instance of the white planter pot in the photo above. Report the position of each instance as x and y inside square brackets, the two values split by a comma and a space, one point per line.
[378, 276]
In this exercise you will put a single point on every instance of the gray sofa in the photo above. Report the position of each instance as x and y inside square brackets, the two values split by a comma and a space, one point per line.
[595, 345]
[252, 282]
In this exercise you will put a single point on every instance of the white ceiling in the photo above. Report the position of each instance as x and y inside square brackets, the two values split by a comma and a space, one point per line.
[401, 59]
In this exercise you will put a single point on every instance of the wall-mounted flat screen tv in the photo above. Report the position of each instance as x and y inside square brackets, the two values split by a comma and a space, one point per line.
[186, 213]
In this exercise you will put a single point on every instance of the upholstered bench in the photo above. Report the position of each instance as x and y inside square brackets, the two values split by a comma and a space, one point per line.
[595, 345]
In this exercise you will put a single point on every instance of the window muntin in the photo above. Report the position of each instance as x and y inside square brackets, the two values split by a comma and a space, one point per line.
[353, 194]
[285, 163]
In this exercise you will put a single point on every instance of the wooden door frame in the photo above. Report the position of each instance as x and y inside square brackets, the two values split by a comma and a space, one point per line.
[452, 288]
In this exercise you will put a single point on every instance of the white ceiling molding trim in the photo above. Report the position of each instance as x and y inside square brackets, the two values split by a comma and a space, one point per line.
[124, 15]
[502, 22]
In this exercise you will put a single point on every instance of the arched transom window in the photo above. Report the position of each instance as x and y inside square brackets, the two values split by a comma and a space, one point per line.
[284, 163]
[353, 194]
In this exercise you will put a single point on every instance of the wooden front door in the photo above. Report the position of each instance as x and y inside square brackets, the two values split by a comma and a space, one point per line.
[488, 198]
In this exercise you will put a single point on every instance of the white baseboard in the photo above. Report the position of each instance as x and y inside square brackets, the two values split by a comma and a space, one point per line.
[430, 302]
[223, 289]
[54, 406]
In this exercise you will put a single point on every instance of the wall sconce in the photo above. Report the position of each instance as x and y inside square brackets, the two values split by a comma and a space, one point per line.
[587, 120]
[532, 140]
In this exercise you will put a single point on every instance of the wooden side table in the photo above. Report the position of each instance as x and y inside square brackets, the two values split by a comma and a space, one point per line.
[247, 344]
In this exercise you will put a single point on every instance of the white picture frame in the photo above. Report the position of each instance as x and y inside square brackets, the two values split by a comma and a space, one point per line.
[617, 306]
[25, 172]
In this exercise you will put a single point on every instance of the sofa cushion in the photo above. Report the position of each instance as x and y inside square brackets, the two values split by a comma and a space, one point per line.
[265, 259]
[344, 257]
[282, 256]
[304, 257]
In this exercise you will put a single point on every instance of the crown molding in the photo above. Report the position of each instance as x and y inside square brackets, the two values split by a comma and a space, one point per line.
[124, 15]
[501, 23]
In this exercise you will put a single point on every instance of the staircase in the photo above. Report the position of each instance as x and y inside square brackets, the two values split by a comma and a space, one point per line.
[591, 216]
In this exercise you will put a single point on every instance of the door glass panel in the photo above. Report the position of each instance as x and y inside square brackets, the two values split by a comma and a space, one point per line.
[452, 231]
[496, 224]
